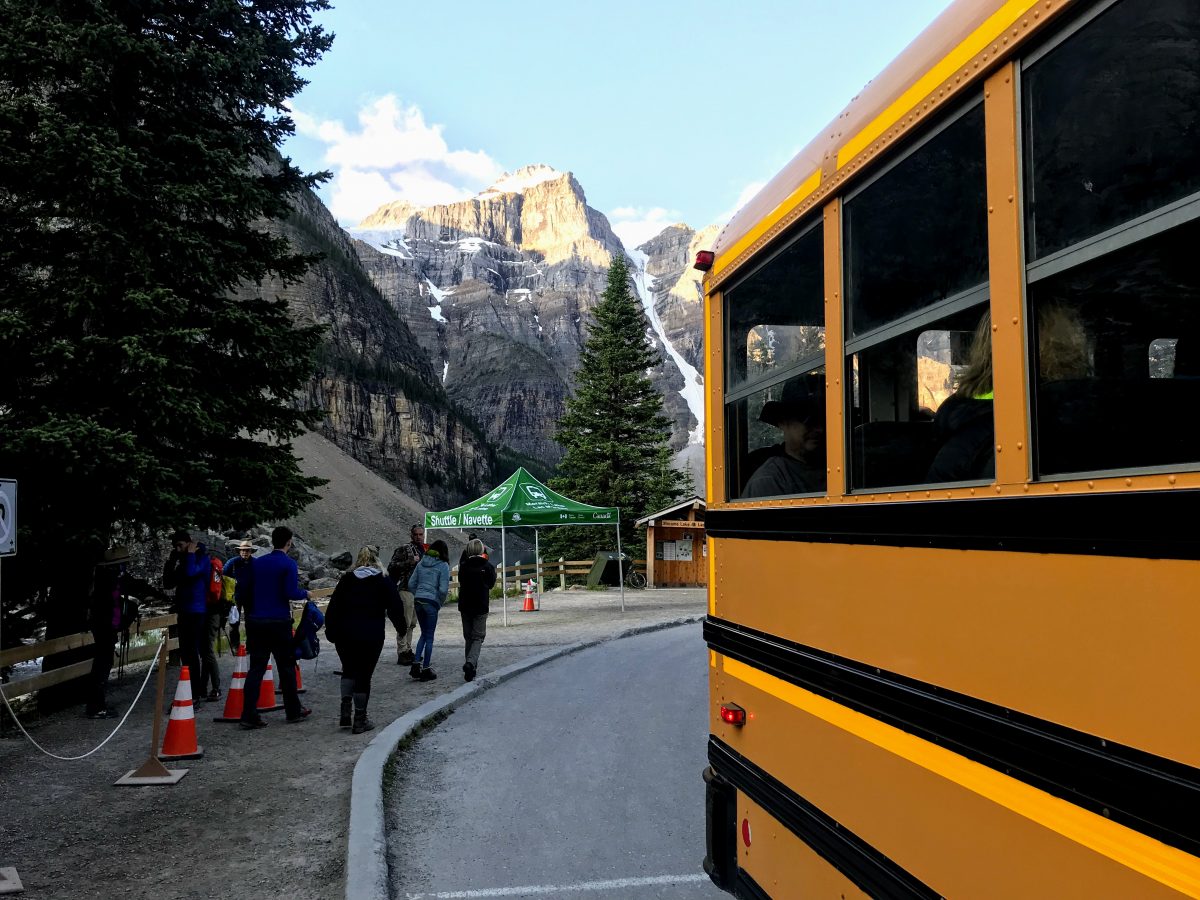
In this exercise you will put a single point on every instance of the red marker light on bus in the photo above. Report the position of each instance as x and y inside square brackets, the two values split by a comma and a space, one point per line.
[704, 260]
[733, 714]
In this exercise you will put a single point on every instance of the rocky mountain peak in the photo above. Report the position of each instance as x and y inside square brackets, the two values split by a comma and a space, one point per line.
[523, 178]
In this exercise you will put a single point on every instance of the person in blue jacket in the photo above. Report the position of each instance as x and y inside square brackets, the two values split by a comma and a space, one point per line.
[429, 583]
[187, 571]
[269, 629]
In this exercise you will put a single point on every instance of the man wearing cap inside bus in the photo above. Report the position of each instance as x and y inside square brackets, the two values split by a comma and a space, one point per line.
[800, 415]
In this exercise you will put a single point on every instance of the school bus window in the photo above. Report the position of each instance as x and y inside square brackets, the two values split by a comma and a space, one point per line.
[1112, 122]
[1098, 404]
[777, 439]
[917, 235]
[776, 315]
[1162, 357]
[922, 411]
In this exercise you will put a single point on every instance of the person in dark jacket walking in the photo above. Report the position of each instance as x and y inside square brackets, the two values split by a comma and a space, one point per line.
[187, 571]
[354, 622]
[476, 576]
[104, 619]
[429, 583]
[269, 629]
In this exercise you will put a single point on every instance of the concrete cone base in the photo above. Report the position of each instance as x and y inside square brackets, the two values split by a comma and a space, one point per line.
[132, 779]
[10, 882]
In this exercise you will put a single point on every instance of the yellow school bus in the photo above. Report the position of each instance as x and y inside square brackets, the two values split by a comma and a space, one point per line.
[953, 358]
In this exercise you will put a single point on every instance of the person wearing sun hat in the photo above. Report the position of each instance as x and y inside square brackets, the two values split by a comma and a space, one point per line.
[799, 414]
[104, 620]
[240, 568]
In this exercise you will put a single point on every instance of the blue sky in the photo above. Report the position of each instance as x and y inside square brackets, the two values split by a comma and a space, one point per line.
[664, 111]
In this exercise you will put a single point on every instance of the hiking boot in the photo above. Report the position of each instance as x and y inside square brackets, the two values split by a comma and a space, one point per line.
[427, 675]
[253, 723]
[305, 712]
[406, 658]
[361, 722]
[344, 718]
[468, 672]
[214, 694]
[415, 670]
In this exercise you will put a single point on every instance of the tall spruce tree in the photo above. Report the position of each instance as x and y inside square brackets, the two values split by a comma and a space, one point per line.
[614, 431]
[140, 146]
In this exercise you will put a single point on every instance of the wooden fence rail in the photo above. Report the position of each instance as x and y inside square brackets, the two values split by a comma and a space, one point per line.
[550, 568]
[26, 652]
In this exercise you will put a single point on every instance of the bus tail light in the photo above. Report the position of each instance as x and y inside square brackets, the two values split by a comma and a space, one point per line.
[704, 260]
[732, 714]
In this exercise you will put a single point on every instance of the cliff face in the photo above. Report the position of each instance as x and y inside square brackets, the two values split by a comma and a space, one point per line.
[381, 400]
[497, 289]
[677, 288]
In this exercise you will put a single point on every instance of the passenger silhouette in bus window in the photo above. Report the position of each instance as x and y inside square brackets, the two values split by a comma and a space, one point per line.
[797, 464]
[964, 423]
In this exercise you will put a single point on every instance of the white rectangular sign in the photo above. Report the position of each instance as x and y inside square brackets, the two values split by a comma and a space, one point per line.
[8, 517]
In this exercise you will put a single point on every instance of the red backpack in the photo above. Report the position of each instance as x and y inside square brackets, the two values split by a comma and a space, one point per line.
[216, 581]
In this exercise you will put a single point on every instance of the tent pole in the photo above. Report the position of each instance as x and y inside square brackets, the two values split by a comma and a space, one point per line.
[537, 565]
[503, 574]
[620, 563]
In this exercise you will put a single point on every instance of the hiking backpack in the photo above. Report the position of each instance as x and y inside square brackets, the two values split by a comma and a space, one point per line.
[216, 581]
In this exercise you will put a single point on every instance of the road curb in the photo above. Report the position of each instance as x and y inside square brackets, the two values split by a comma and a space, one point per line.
[366, 841]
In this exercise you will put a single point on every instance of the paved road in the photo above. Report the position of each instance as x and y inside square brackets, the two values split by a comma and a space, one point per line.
[578, 779]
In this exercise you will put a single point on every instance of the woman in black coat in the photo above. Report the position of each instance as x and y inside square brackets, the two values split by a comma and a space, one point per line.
[475, 579]
[354, 623]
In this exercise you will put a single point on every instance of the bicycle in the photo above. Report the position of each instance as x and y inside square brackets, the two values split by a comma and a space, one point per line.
[633, 578]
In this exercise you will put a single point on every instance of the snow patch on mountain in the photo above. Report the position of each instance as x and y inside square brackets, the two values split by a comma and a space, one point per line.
[520, 180]
[386, 240]
[693, 381]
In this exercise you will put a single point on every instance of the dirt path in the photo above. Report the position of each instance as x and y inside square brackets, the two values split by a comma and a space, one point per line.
[263, 814]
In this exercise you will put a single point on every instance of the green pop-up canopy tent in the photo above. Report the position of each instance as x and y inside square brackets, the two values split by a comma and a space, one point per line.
[521, 501]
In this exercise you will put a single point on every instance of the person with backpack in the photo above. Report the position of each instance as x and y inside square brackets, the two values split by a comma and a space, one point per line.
[269, 629]
[354, 622]
[188, 571]
[429, 583]
[476, 577]
[214, 614]
[399, 569]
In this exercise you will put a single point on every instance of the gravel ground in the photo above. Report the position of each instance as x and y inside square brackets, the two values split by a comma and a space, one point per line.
[263, 814]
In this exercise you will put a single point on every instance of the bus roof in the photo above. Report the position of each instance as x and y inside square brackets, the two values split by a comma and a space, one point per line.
[965, 22]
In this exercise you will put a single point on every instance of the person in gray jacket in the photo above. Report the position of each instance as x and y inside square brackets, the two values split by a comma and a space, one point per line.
[429, 583]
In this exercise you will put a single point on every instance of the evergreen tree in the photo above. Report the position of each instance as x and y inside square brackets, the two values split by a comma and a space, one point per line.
[614, 431]
[140, 390]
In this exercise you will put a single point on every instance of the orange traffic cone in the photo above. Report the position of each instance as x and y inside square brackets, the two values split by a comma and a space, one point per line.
[180, 740]
[266, 693]
[529, 607]
[237, 689]
[299, 681]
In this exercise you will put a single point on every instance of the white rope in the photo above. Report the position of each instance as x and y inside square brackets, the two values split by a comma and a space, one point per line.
[149, 672]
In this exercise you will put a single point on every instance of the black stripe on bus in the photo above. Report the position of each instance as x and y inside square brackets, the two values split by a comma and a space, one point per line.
[872, 871]
[1147, 524]
[1156, 796]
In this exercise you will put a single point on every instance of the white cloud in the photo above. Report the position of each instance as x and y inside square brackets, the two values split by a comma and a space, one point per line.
[393, 154]
[635, 225]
